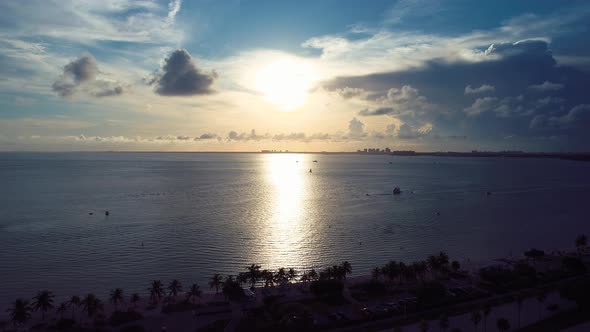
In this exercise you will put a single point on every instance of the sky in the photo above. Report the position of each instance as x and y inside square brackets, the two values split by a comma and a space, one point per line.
[328, 75]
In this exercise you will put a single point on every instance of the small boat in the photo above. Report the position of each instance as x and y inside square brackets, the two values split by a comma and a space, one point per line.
[397, 191]
[315, 161]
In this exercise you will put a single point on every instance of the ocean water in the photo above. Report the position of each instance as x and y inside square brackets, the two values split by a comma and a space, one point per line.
[186, 216]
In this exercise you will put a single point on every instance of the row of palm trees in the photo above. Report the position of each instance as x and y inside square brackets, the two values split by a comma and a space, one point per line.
[21, 310]
[255, 275]
[435, 264]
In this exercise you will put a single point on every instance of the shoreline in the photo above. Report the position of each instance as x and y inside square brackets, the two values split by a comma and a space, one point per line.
[290, 290]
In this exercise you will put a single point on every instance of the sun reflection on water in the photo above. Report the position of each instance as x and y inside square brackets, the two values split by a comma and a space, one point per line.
[287, 227]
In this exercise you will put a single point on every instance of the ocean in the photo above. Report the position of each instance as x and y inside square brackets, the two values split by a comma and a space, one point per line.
[187, 216]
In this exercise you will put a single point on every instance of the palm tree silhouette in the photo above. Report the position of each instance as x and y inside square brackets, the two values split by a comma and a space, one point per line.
[91, 304]
[156, 291]
[134, 299]
[61, 310]
[376, 273]
[304, 278]
[269, 278]
[253, 274]
[291, 274]
[313, 275]
[74, 302]
[175, 287]
[20, 312]
[243, 278]
[216, 282]
[347, 268]
[503, 324]
[43, 302]
[193, 293]
[116, 297]
[475, 318]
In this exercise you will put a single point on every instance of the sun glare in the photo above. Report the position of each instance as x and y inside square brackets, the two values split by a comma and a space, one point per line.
[285, 83]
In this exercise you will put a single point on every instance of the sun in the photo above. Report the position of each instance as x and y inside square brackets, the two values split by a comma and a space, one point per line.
[285, 83]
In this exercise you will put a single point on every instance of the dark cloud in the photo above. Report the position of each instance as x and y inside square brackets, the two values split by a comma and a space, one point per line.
[106, 89]
[525, 80]
[181, 77]
[80, 75]
[356, 128]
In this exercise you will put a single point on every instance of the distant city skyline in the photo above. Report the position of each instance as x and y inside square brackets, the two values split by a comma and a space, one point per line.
[126, 75]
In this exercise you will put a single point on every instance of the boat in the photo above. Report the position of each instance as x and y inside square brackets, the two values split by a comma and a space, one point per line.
[315, 161]
[397, 191]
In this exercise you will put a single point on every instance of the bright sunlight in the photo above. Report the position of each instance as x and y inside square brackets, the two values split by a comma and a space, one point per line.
[285, 83]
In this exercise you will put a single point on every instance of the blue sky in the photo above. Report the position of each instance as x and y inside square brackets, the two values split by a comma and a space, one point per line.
[305, 75]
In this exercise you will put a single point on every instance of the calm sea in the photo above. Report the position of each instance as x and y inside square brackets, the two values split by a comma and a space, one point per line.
[187, 216]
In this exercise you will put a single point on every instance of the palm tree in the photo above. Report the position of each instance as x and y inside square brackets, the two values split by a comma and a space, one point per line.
[175, 287]
[91, 304]
[304, 278]
[116, 297]
[581, 241]
[243, 278]
[281, 275]
[347, 268]
[254, 274]
[193, 293]
[291, 274]
[503, 324]
[376, 273]
[541, 297]
[156, 291]
[134, 299]
[216, 282]
[443, 322]
[43, 301]
[268, 277]
[313, 275]
[61, 309]
[20, 312]
[74, 302]
[423, 326]
[487, 308]
[433, 265]
[476, 318]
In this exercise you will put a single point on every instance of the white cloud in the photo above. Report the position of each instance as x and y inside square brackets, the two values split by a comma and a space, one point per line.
[546, 86]
[481, 105]
[481, 89]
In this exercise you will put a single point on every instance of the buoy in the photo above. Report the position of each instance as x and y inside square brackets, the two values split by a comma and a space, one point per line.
[488, 193]
[106, 213]
[310, 170]
[90, 213]
[437, 213]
